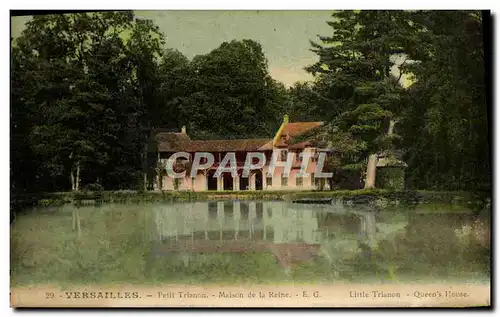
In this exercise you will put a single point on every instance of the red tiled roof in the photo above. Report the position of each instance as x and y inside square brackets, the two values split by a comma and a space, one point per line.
[300, 145]
[219, 145]
[292, 130]
[176, 142]
[170, 141]
[298, 128]
[267, 146]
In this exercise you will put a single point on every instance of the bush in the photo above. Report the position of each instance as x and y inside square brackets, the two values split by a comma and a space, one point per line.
[392, 178]
[94, 187]
[361, 196]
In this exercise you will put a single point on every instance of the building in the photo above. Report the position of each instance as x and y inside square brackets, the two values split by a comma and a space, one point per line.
[286, 140]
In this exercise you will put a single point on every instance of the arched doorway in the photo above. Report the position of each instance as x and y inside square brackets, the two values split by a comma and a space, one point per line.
[211, 180]
[244, 183]
[228, 181]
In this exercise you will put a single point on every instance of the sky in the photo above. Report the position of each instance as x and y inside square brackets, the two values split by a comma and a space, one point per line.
[284, 35]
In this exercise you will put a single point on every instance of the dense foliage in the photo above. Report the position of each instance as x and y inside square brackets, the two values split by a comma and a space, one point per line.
[439, 123]
[87, 89]
[445, 124]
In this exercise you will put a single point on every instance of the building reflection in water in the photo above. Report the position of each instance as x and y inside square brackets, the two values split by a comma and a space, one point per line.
[292, 232]
[274, 222]
[295, 233]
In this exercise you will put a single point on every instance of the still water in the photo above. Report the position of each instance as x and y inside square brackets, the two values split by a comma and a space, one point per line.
[250, 241]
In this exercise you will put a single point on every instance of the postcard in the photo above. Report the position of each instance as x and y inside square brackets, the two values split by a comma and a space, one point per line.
[250, 159]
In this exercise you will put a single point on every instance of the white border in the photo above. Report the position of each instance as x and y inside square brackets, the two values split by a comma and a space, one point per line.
[210, 5]
[254, 5]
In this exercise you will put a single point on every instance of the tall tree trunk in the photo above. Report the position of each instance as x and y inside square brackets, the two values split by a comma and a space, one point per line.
[371, 171]
[145, 160]
[390, 131]
[77, 181]
[72, 176]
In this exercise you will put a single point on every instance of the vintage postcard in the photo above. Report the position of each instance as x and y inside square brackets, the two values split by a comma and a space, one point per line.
[250, 159]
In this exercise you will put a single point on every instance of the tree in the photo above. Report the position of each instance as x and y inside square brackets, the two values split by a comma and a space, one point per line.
[232, 94]
[445, 122]
[73, 96]
[89, 89]
[304, 103]
[175, 74]
[354, 80]
[144, 50]
[439, 123]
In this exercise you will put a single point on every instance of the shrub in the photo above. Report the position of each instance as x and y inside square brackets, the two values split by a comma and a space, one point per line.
[94, 187]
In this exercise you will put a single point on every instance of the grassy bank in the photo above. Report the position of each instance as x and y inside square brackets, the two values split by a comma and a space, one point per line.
[354, 196]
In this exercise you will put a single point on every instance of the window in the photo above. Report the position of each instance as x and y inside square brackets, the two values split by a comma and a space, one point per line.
[317, 182]
[298, 181]
[313, 180]
[269, 181]
[299, 158]
[314, 157]
[283, 155]
[284, 180]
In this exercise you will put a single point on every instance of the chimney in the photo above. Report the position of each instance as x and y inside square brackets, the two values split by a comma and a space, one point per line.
[183, 129]
[285, 118]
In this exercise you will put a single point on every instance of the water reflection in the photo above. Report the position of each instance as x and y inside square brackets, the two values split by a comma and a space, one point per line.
[254, 221]
[276, 222]
[252, 241]
[294, 233]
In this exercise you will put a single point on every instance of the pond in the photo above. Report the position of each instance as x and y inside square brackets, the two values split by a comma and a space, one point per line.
[250, 242]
